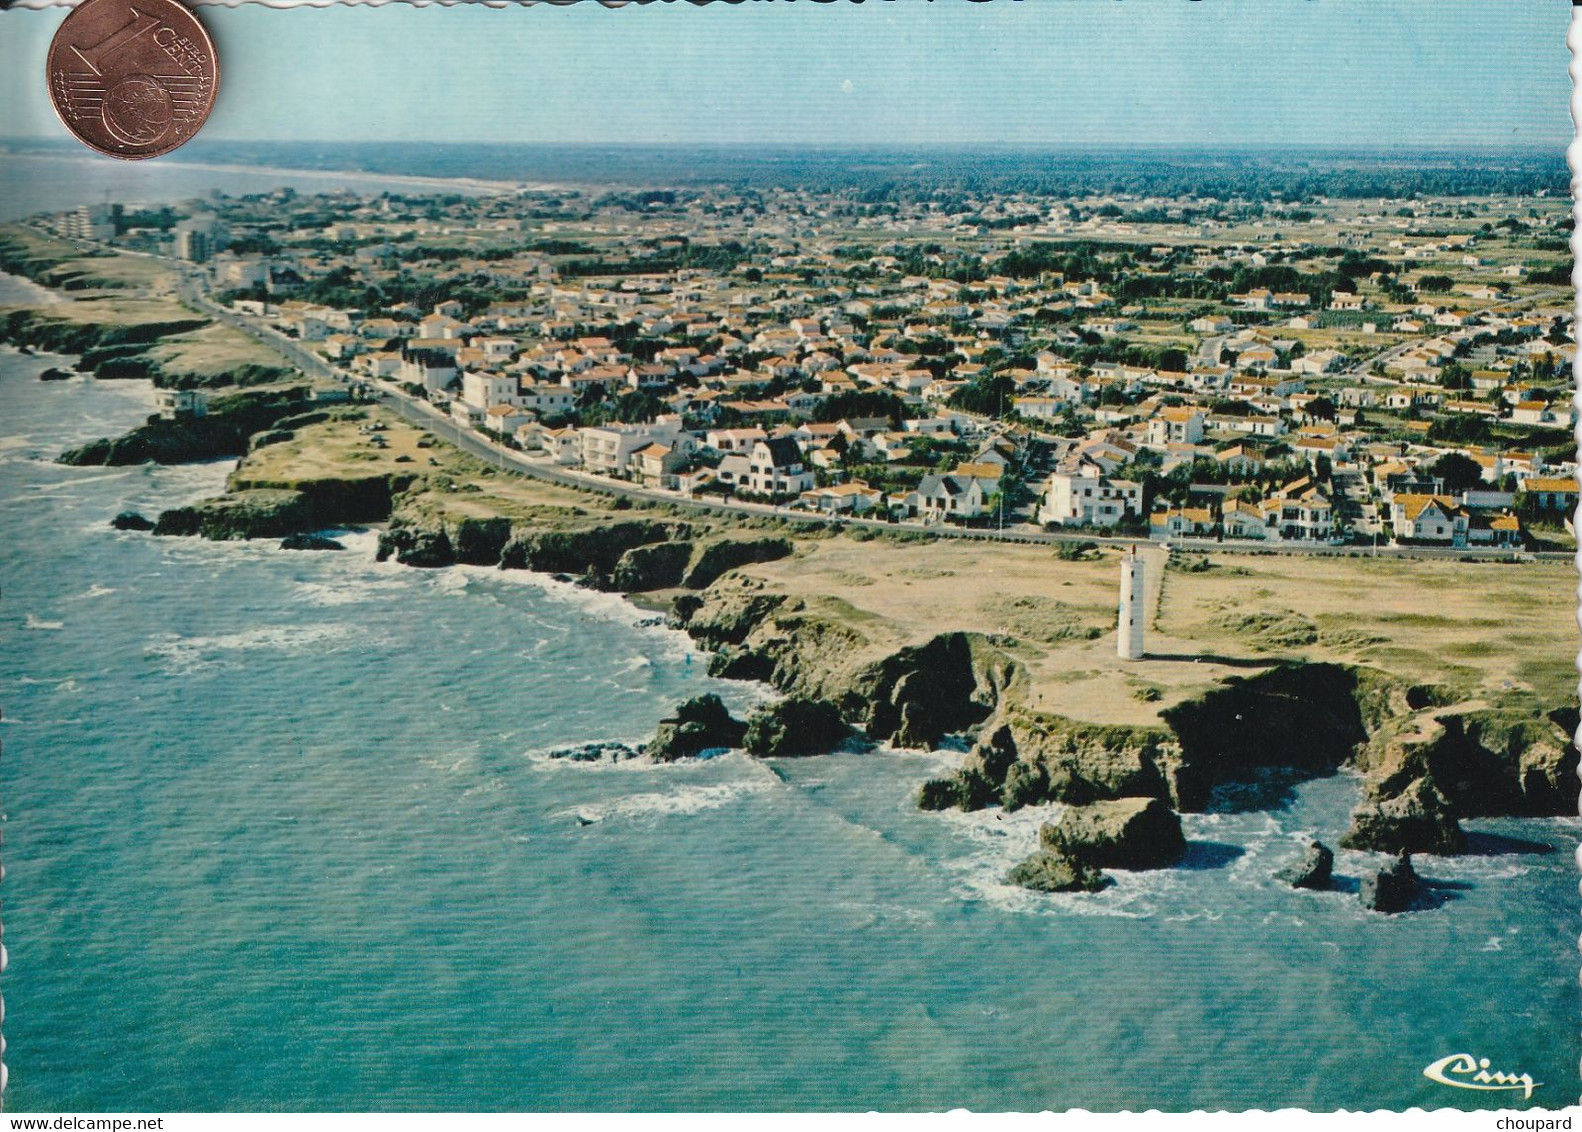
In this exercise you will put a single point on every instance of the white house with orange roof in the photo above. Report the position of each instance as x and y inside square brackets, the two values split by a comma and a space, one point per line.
[1429, 518]
[1179, 424]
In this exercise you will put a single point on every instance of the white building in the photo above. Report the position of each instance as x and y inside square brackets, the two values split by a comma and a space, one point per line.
[1176, 425]
[485, 390]
[776, 467]
[1089, 498]
[608, 449]
[179, 404]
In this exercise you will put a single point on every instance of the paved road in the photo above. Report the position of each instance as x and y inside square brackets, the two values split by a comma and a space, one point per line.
[304, 359]
[442, 426]
[425, 416]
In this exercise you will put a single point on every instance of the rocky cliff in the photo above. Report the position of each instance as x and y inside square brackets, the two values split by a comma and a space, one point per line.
[912, 696]
[1312, 718]
[225, 431]
[41, 330]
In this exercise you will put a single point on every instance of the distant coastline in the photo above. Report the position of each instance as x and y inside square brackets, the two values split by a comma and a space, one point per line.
[467, 184]
[1150, 170]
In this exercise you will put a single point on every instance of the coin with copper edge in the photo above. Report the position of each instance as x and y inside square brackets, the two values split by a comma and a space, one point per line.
[132, 78]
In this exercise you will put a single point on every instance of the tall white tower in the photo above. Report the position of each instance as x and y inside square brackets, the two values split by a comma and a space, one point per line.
[1129, 638]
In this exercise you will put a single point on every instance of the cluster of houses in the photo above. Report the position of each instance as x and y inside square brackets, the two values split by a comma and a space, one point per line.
[735, 365]
[497, 374]
[781, 465]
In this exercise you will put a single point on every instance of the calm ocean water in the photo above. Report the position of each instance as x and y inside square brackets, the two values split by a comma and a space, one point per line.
[279, 834]
[32, 182]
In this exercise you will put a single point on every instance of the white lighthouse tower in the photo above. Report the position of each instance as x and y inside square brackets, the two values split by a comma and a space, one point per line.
[1129, 638]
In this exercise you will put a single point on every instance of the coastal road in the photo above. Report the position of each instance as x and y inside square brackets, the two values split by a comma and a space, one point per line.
[193, 294]
[444, 428]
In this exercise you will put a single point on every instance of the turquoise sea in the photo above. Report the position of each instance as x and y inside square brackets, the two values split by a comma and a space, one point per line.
[281, 832]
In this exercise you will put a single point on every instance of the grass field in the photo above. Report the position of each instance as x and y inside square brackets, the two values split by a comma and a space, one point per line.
[1494, 633]
[1497, 633]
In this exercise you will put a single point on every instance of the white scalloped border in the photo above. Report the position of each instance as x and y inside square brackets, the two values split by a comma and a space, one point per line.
[1574, 159]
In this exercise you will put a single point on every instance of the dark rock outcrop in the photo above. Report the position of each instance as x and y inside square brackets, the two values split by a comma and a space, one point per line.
[131, 521]
[595, 548]
[716, 557]
[1312, 717]
[309, 542]
[1127, 833]
[424, 547]
[1027, 757]
[1313, 870]
[964, 790]
[658, 566]
[225, 431]
[1417, 820]
[1491, 762]
[1024, 785]
[54, 374]
[479, 542]
[919, 694]
[595, 753]
[715, 623]
[1392, 889]
[700, 724]
[269, 436]
[244, 515]
[1049, 871]
[37, 328]
[335, 500]
[795, 726]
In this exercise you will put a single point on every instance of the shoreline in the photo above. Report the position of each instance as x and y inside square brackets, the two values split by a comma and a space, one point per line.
[476, 185]
[1029, 678]
[34, 293]
[908, 693]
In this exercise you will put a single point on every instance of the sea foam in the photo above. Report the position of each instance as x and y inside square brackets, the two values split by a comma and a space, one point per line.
[669, 803]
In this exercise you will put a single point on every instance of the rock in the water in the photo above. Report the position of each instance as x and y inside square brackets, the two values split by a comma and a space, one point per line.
[1312, 871]
[595, 753]
[795, 726]
[131, 521]
[309, 542]
[417, 546]
[1048, 871]
[1127, 833]
[54, 374]
[939, 794]
[1417, 820]
[1392, 888]
[700, 724]
[240, 515]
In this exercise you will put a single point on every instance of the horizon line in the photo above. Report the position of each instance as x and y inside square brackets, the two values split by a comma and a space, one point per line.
[1381, 149]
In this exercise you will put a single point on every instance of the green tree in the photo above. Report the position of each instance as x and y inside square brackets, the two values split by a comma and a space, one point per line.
[1457, 471]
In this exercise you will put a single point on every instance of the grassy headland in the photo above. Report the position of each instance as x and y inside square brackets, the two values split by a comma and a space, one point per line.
[1445, 681]
[1449, 683]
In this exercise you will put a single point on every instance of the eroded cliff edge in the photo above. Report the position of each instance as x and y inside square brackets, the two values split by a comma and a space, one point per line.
[763, 598]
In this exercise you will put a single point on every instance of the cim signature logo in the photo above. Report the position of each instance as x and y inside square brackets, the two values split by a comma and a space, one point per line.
[1463, 1071]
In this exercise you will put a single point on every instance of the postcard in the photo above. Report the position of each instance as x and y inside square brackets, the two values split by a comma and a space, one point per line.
[793, 558]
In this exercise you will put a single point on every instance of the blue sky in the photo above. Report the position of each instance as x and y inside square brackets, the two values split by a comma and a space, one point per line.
[1039, 72]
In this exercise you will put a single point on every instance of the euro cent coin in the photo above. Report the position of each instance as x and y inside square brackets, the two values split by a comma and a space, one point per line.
[132, 78]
